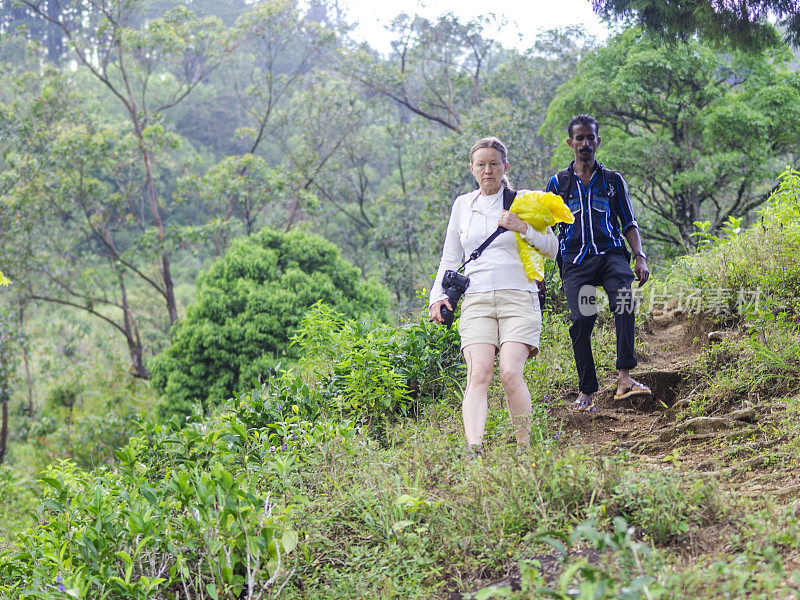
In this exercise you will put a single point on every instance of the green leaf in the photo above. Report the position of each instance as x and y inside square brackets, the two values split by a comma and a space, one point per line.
[149, 494]
[212, 591]
[289, 541]
[126, 558]
[227, 573]
[56, 506]
[54, 483]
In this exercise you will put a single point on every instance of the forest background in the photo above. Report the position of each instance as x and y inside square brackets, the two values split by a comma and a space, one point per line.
[169, 168]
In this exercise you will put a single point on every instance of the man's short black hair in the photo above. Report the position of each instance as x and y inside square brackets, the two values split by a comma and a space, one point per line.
[583, 120]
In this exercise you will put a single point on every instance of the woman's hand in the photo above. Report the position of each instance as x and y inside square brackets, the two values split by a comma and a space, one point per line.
[435, 311]
[512, 222]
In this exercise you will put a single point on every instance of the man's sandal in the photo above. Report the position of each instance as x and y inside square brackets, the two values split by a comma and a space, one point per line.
[634, 389]
[583, 404]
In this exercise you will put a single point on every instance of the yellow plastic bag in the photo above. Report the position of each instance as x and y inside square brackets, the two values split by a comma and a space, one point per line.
[539, 210]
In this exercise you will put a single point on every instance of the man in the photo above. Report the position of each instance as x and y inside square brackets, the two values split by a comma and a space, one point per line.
[592, 252]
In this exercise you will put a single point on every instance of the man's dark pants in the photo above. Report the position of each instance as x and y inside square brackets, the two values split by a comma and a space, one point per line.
[613, 273]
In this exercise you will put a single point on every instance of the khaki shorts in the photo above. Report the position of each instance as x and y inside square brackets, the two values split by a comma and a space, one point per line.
[501, 316]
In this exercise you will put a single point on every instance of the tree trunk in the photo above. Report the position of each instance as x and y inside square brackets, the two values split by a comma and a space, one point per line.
[129, 328]
[155, 209]
[131, 336]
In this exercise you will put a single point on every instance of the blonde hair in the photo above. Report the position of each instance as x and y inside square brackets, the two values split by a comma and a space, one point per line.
[495, 144]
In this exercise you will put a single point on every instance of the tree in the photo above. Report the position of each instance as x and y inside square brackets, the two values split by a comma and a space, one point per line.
[240, 187]
[276, 51]
[178, 49]
[697, 134]
[742, 24]
[277, 48]
[64, 217]
[435, 71]
[247, 307]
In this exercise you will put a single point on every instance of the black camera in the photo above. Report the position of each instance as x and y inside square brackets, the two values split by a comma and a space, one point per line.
[454, 285]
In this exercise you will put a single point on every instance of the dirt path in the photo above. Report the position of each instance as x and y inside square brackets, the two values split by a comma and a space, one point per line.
[735, 446]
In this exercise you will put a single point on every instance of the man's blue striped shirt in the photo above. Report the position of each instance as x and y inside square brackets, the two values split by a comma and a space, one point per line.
[600, 214]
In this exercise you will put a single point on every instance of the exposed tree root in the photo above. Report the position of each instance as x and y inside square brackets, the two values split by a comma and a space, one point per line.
[661, 442]
[792, 490]
[753, 462]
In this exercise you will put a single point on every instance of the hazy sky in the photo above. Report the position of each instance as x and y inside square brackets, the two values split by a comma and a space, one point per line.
[524, 18]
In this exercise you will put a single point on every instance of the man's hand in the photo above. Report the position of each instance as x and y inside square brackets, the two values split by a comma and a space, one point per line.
[512, 222]
[435, 311]
[641, 271]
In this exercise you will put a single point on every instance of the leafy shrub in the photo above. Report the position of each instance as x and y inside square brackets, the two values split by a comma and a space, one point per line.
[190, 510]
[124, 535]
[247, 307]
[763, 257]
[429, 358]
[65, 395]
[92, 440]
[374, 372]
[278, 399]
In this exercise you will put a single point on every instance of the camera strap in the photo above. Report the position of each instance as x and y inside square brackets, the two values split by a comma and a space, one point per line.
[508, 199]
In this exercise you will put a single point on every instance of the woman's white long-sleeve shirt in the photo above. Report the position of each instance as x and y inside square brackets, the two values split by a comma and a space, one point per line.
[473, 219]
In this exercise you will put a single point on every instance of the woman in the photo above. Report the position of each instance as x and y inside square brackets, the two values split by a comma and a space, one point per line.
[500, 309]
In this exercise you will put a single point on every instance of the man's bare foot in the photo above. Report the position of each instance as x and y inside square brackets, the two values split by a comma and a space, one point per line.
[583, 403]
[627, 386]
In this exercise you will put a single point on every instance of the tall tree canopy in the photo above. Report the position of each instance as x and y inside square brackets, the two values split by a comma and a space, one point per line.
[699, 135]
[741, 24]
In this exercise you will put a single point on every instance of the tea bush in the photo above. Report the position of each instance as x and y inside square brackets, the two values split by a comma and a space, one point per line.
[246, 308]
[198, 509]
[120, 533]
[375, 372]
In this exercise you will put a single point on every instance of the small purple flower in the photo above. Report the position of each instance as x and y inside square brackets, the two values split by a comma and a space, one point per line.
[556, 436]
[60, 585]
[283, 447]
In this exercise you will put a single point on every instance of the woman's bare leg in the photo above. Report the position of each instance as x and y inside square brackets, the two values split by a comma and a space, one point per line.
[512, 364]
[474, 406]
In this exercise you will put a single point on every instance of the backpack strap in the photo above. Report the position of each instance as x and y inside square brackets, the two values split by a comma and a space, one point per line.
[564, 181]
[508, 199]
